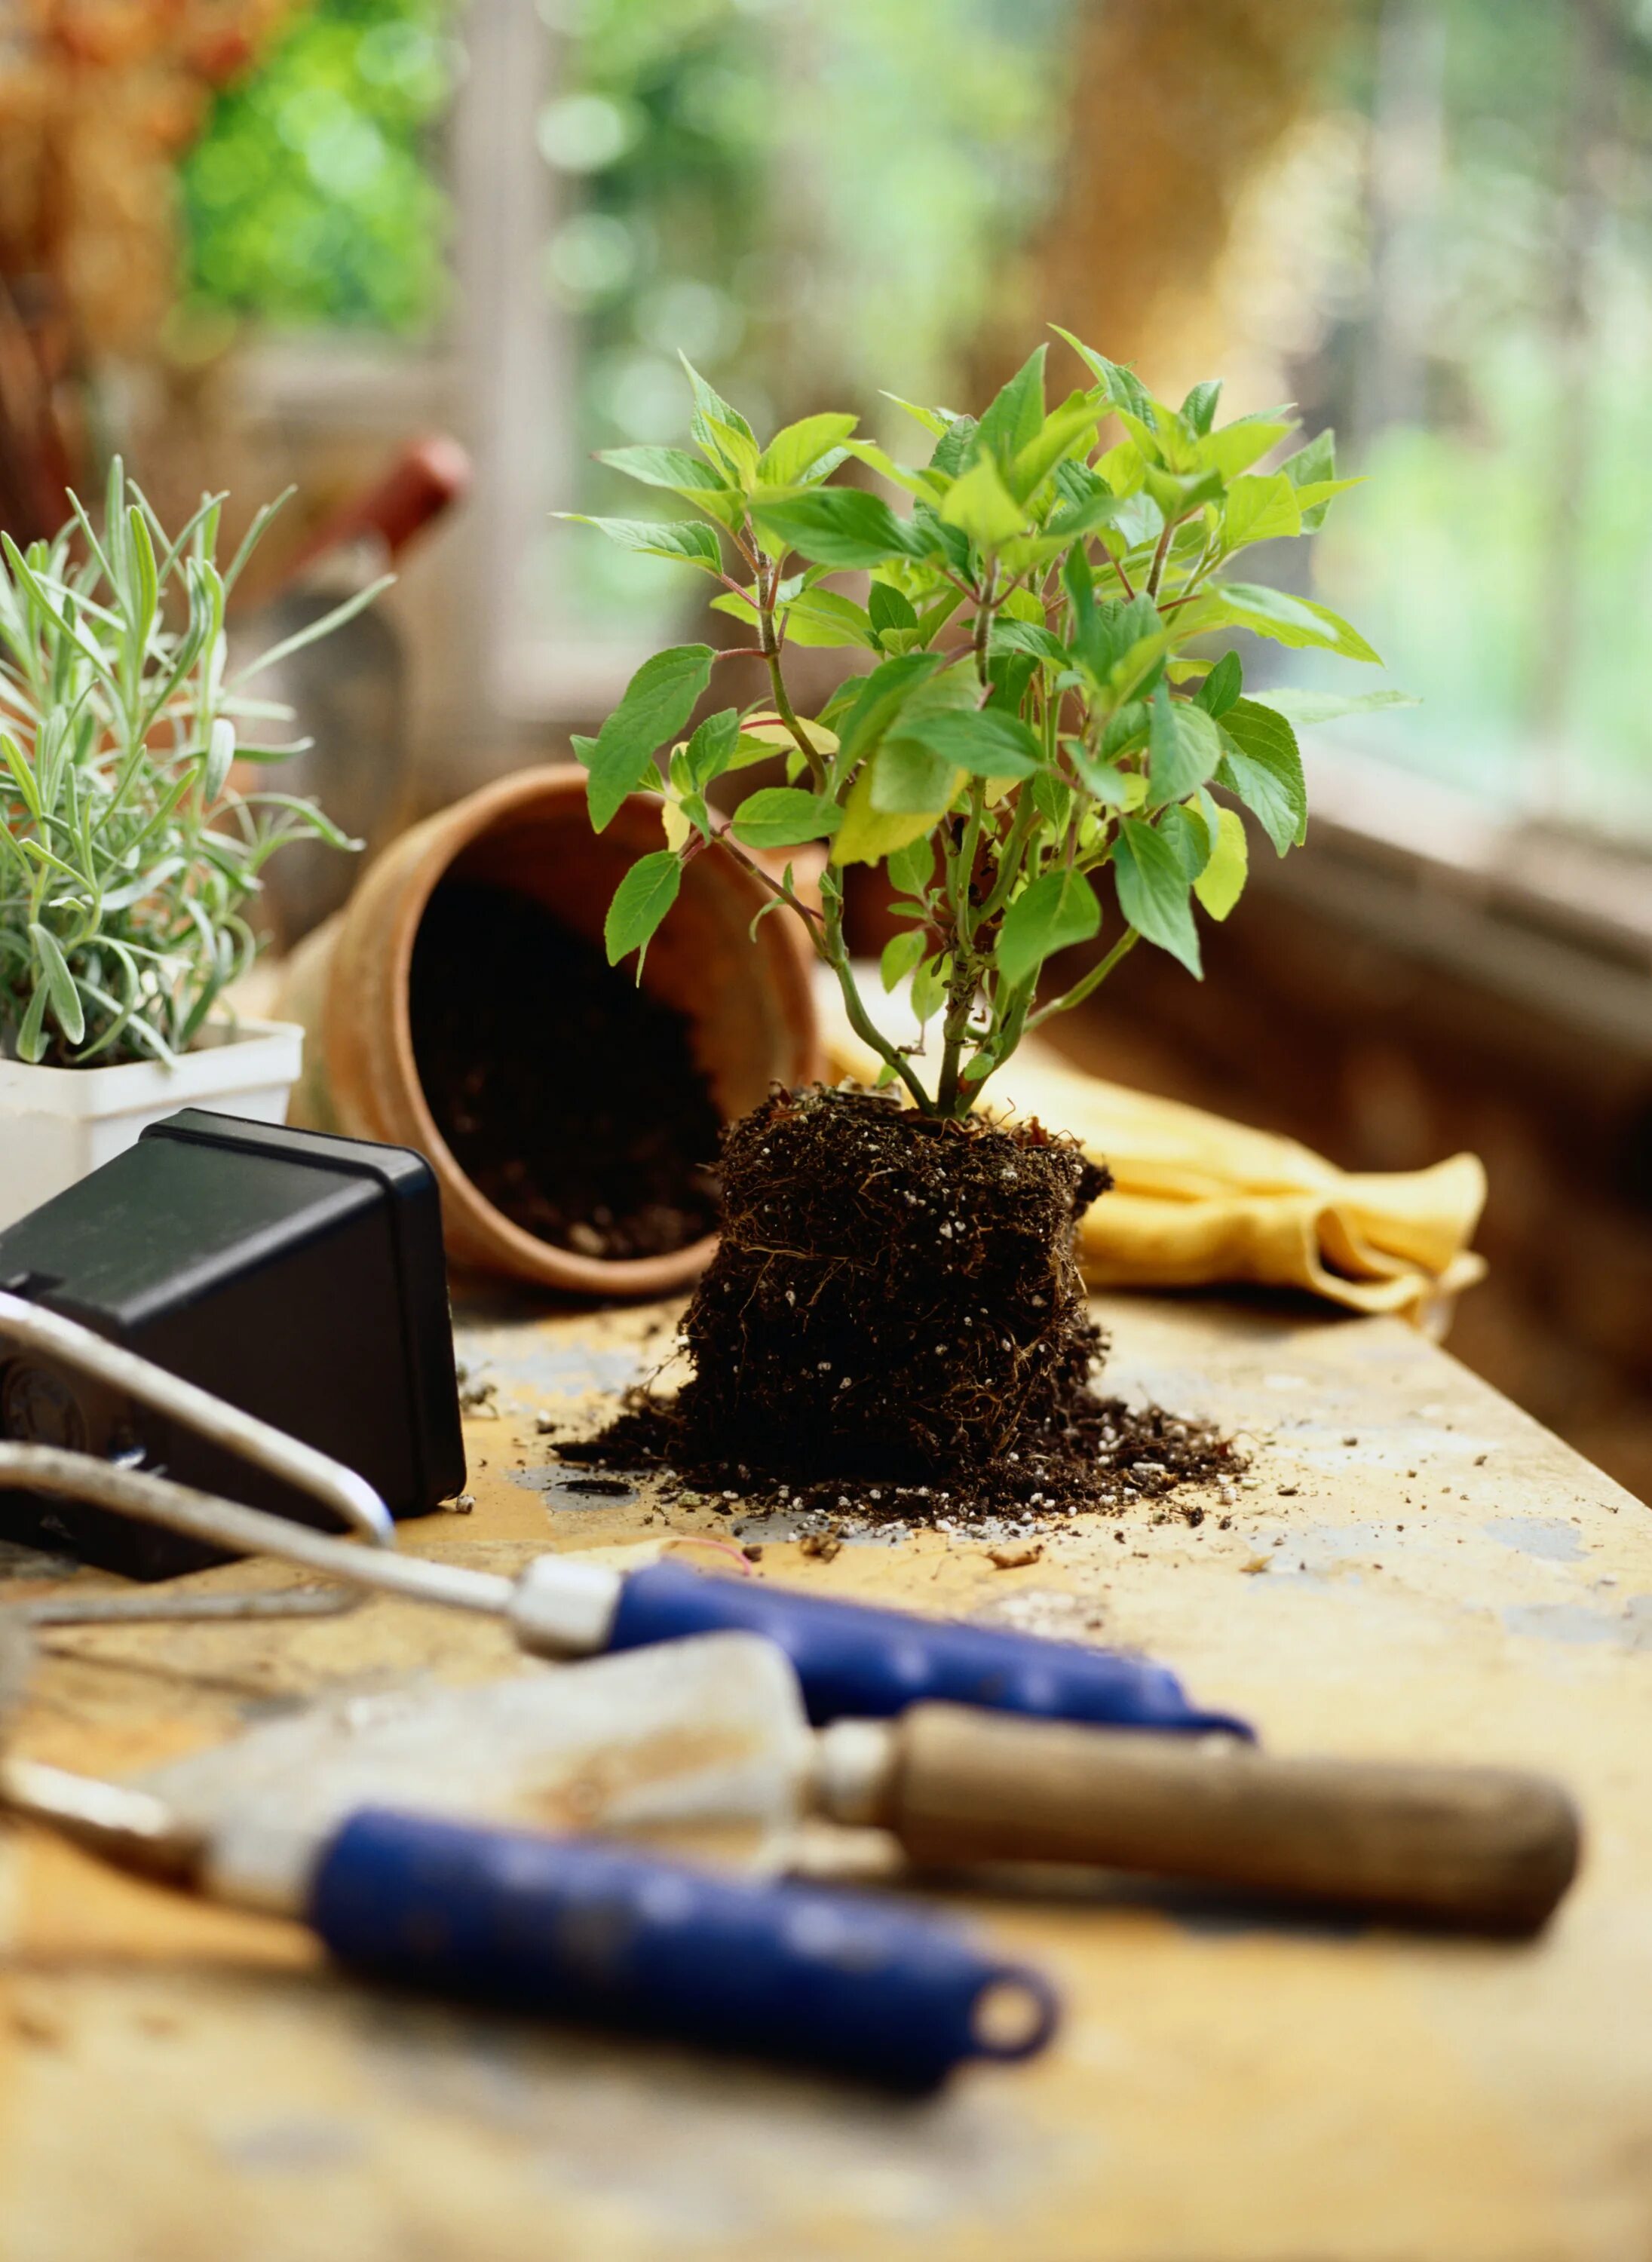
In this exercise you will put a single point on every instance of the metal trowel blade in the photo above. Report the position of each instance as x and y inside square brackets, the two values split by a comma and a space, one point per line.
[701, 1745]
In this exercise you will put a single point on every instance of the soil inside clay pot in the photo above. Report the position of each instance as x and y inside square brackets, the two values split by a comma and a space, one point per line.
[895, 1321]
[569, 1096]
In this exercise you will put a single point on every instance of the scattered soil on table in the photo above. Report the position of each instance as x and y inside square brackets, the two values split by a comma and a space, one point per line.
[895, 1329]
[569, 1096]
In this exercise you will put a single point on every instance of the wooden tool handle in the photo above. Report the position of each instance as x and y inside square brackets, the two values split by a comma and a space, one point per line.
[1483, 1848]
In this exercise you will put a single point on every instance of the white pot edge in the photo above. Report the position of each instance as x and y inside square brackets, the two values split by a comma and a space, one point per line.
[244, 1056]
[59, 1124]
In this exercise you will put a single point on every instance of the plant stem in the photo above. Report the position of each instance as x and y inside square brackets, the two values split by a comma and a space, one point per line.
[1092, 980]
[768, 647]
[833, 948]
[725, 837]
[955, 1029]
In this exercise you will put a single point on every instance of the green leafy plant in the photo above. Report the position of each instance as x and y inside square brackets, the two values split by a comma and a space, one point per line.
[126, 855]
[1036, 719]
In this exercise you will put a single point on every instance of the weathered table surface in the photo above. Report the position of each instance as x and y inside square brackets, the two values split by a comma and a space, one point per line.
[1413, 1568]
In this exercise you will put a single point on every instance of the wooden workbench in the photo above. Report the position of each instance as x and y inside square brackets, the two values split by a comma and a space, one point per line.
[1413, 1568]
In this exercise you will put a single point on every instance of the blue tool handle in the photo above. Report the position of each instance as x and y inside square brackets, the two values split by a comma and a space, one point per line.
[569, 1928]
[856, 1661]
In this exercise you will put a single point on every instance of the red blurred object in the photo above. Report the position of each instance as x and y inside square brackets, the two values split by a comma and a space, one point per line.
[426, 478]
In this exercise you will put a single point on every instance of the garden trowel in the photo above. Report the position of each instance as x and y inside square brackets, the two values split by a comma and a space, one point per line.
[545, 1923]
[705, 1744]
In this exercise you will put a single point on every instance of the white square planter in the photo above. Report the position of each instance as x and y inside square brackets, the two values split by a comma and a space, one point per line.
[56, 1123]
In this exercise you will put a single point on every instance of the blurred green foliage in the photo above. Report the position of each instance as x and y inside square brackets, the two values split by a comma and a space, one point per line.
[1501, 556]
[309, 199]
[801, 195]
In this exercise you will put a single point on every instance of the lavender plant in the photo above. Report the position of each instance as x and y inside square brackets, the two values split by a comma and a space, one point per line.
[127, 856]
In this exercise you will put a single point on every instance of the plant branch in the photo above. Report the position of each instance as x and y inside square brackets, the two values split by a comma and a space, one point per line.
[725, 838]
[835, 953]
[1092, 981]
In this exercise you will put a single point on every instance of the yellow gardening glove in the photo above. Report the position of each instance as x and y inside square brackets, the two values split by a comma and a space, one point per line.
[1199, 1200]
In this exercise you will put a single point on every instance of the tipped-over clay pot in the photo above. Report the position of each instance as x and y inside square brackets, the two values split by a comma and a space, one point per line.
[745, 998]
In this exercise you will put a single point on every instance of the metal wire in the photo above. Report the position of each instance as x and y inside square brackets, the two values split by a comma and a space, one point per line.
[242, 1531]
[349, 1496]
[162, 1605]
[130, 1827]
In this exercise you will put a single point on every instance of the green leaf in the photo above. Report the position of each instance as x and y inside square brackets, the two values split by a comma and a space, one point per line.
[1121, 387]
[784, 816]
[877, 700]
[664, 467]
[924, 485]
[1199, 409]
[1153, 892]
[659, 700]
[928, 991]
[934, 421]
[844, 528]
[1262, 765]
[685, 541]
[1184, 827]
[1260, 510]
[1113, 788]
[1237, 446]
[1057, 910]
[640, 902]
[888, 611]
[32, 1035]
[714, 747]
[22, 775]
[1066, 430]
[60, 982]
[1178, 494]
[796, 451]
[908, 776]
[1306, 708]
[982, 507]
[985, 741]
[1021, 636]
[220, 754]
[902, 954]
[1310, 467]
[1113, 631]
[912, 869]
[824, 618]
[1296, 621]
[1052, 798]
[1221, 883]
[867, 835]
[1222, 685]
[952, 448]
[1017, 412]
[1317, 497]
[146, 591]
[722, 431]
[1184, 747]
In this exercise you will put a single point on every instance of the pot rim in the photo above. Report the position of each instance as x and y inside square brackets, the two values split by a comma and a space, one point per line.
[226, 1045]
[544, 1262]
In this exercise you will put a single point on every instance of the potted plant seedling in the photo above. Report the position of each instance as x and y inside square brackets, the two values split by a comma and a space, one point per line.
[127, 853]
[1036, 747]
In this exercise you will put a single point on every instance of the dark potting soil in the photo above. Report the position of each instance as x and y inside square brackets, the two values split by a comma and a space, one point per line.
[895, 1326]
[569, 1096]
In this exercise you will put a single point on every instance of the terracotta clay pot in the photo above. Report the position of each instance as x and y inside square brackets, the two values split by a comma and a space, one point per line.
[746, 998]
